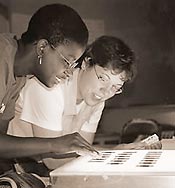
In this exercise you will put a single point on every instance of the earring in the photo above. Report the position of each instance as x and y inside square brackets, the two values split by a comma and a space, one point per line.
[41, 55]
[40, 59]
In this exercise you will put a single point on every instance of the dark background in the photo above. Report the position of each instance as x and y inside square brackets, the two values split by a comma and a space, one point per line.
[148, 26]
[150, 29]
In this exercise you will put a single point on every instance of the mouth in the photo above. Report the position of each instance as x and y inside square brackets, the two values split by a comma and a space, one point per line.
[98, 97]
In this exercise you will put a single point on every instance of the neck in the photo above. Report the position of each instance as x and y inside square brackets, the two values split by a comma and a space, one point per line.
[23, 59]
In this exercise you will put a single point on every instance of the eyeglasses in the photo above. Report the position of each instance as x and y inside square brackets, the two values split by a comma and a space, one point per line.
[105, 80]
[70, 65]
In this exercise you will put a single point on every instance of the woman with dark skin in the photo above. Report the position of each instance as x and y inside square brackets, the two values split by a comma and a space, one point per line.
[107, 65]
[52, 29]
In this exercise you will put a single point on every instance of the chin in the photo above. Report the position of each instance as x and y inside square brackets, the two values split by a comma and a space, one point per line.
[91, 102]
[45, 82]
[49, 84]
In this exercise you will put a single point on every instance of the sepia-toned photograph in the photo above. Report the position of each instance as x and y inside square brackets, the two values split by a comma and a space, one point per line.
[87, 93]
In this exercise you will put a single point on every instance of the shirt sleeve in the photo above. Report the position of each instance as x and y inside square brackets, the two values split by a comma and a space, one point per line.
[41, 106]
[3, 77]
[6, 102]
[5, 62]
[92, 124]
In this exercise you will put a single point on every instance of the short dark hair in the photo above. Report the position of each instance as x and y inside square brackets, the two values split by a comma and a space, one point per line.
[55, 23]
[111, 52]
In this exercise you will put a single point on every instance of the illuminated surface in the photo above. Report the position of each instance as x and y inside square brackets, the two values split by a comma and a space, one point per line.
[122, 162]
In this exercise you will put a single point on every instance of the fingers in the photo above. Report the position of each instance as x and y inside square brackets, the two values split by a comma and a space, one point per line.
[82, 147]
[139, 145]
[72, 143]
[156, 145]
[84, 151]
[143, 145]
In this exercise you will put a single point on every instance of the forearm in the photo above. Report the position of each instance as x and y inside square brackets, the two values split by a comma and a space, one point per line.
[55, 163]
[14, 147]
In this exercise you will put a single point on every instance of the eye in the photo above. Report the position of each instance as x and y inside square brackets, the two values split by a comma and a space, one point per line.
[89, 59]
[103, 78]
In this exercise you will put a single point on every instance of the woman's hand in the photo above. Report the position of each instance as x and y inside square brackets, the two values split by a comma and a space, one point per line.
[156, 145]
[139, 145]
[73, 143]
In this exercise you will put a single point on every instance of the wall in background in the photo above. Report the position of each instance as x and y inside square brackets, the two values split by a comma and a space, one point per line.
[146, 25]
[4, 18]
[114, 119]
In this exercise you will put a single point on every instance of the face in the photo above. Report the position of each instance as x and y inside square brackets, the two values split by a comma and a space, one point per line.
[57, 63]
[97, 84]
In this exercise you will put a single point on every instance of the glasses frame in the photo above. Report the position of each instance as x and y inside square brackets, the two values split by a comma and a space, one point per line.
[70, 65]
[119, 91]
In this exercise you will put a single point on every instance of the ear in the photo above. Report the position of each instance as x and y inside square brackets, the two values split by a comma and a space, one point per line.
[67, 42]
[42, 46]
